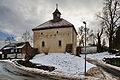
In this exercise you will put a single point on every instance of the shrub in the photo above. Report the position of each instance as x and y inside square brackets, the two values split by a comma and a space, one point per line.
[113, 61]
[32, 65]
[46, 50]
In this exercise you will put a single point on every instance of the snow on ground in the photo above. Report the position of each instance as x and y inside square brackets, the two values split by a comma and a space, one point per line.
[100, 56]
[63, 62]
[67, 63]
[89, 49]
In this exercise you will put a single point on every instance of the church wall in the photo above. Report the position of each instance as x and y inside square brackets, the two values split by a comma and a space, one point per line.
[74, 42]
[51, 38]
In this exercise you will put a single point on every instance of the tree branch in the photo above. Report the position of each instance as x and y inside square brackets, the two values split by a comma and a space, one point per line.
[116, 20]
[103, 19]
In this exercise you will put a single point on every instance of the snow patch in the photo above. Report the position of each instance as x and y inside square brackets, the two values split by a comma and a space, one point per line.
[63, 62]
[100, 56]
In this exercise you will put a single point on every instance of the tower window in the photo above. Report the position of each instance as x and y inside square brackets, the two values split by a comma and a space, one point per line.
[60, 43]
[43, 44]
[41, 33]
[57, 32]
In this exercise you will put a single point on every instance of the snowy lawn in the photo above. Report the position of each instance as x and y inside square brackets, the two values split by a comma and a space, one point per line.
[100, 56]
[89, 49]
[67, 63]
[63, 62]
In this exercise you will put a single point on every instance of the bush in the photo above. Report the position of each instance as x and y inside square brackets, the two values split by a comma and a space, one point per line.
[32, 65]
[46, 50]
[30, 56]
[113, 61]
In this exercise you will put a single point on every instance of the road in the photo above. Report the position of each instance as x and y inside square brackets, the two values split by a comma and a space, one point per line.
[10, 72]
[108, 69]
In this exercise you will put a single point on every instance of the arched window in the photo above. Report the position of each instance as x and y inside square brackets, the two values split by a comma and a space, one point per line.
[60, 43]
[43, 44]
[57, 32]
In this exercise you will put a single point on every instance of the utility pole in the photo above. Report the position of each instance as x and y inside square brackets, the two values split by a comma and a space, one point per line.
[85, 47]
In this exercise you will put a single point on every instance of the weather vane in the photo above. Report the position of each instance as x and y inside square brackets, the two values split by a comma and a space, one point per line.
[56, 6]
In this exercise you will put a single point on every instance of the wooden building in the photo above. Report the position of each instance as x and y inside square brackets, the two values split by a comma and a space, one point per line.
[16, 50]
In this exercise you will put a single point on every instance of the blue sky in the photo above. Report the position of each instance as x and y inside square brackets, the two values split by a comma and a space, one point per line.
[17, 16]
[4, 35]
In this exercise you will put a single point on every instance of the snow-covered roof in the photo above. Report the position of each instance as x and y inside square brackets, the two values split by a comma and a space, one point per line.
[21, 46]
[7, 48]
[14, 45]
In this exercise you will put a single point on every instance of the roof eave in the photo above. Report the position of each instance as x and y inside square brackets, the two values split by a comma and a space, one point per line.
[34, 29]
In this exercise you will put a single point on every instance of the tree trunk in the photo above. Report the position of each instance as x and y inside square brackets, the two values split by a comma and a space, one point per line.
[110, 44]
[99, 45]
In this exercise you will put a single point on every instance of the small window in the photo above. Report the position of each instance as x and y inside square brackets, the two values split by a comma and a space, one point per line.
[41, 33]
[16, 50]
[60, 43]
[51, 35]
[68, 34]
[20, 50]
[12, 50]
[57, 32]
[43, 43]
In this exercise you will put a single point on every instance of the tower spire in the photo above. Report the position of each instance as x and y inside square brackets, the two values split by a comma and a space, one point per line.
[56, 14]
[56, 6]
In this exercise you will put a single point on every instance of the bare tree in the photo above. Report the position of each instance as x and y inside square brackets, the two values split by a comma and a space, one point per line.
[111, 18]
[27, 37]
[9, 40]
[99, 34]
[81, 35]
[92, 38]
[104, 42]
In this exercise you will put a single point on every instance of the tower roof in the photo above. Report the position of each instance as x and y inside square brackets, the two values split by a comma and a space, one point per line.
[56, 11]
[56, 14]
